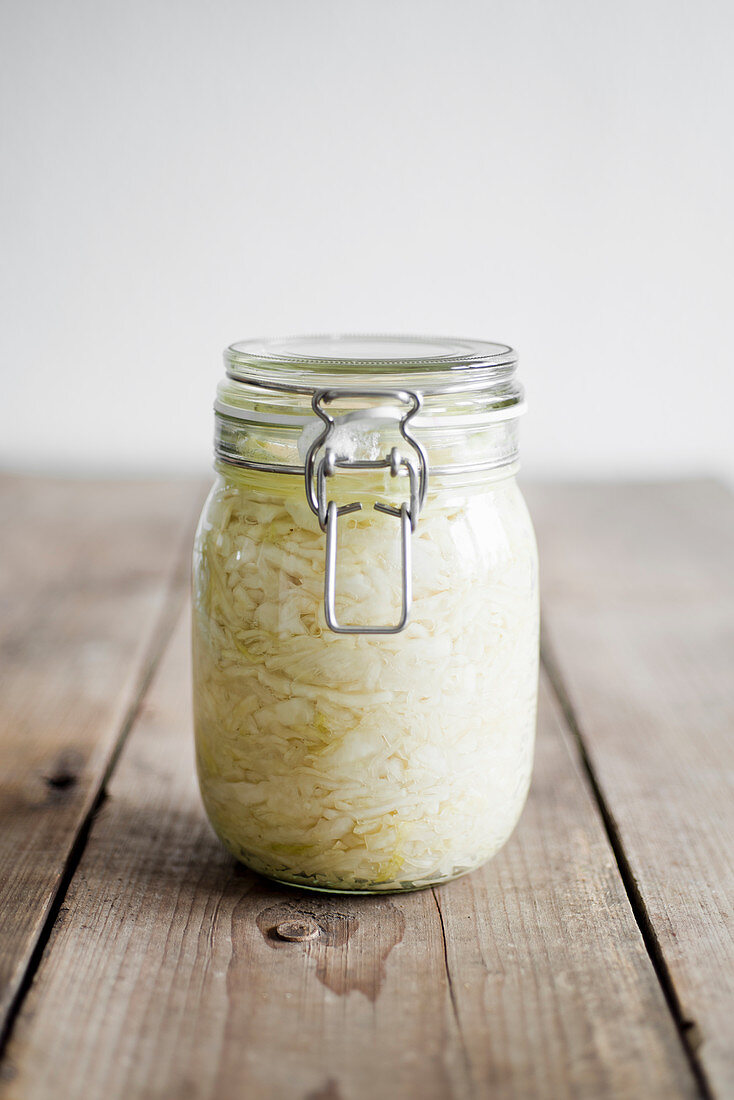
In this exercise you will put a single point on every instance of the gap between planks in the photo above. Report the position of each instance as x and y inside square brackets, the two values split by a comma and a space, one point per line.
[173, 597]
[686, 1028]
[637, 587]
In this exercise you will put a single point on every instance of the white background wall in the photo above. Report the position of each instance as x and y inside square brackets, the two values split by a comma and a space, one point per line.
[177, 175]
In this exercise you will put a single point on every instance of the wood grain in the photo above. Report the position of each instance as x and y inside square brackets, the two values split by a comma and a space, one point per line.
[87, 570]
[639, 601]
[165, 976]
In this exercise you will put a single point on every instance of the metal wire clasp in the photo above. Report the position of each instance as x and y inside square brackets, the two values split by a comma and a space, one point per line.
[328, 512]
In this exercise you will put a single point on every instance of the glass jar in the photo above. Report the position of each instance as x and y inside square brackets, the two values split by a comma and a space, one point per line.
[365, 620]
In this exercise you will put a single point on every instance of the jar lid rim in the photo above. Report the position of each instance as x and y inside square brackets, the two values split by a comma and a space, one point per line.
[321, 358]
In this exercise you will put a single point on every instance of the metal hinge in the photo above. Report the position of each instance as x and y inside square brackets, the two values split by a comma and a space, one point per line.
[327, 512]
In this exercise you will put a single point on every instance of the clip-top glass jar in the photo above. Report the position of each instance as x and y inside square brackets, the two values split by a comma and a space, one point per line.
[365, 618]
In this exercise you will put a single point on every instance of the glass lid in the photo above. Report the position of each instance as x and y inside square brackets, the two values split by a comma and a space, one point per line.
[304, 363]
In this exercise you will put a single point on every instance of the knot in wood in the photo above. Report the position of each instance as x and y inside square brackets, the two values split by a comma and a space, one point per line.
[298, 929]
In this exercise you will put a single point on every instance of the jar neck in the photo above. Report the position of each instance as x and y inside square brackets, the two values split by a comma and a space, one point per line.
[461, 434]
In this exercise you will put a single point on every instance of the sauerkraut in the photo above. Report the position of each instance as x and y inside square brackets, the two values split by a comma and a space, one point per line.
[357, 762]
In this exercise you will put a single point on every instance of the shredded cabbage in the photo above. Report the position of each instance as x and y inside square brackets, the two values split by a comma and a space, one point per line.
[356, 762]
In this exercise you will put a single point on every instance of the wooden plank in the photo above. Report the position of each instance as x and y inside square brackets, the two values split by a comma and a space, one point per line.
[639, 597]
[165, 978]
[87, 570]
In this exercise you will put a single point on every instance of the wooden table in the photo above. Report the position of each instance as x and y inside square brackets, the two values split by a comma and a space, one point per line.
[592, 958]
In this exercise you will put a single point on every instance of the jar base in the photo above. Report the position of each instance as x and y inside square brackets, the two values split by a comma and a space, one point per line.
[374, 890]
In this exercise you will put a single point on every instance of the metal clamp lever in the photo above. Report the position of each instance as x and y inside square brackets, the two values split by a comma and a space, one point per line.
[328, 512]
